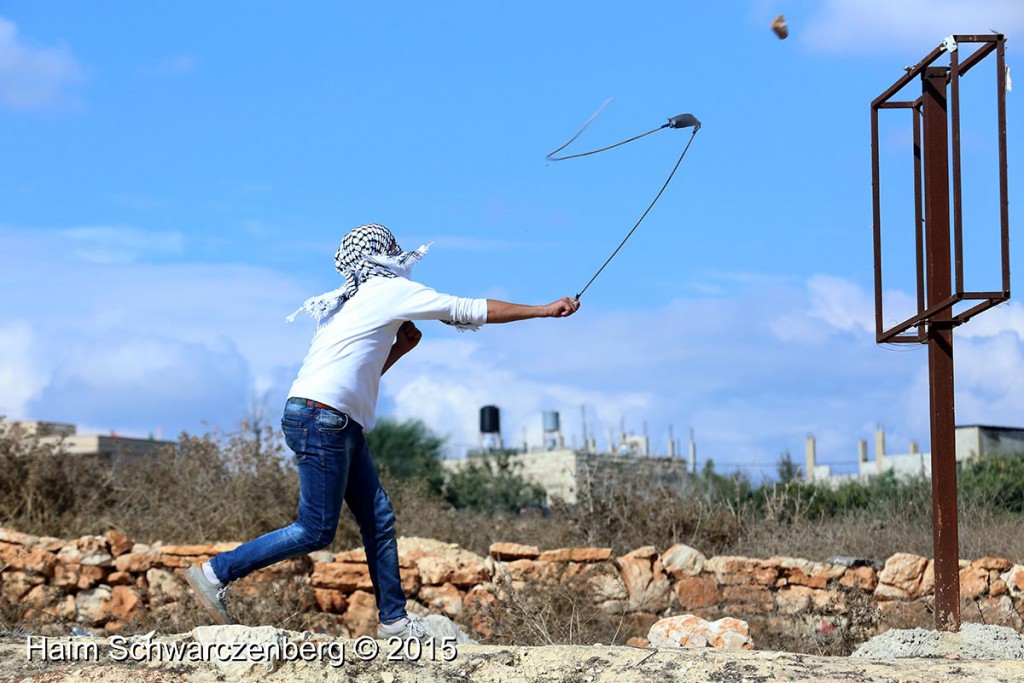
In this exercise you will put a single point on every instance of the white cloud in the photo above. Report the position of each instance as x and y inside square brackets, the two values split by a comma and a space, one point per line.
[33, 78]
[89, 320]
[754, 371]
[867, 26]
[138, 383]
[114, 244]
[21, 372]
[448, 380]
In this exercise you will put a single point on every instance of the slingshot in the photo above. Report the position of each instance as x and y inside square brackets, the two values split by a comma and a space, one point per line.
[680, 121]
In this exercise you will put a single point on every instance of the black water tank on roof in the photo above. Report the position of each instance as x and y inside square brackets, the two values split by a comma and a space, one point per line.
[489, 421]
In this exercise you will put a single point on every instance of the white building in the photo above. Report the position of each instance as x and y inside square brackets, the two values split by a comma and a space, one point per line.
[972, 441]
[66, 436]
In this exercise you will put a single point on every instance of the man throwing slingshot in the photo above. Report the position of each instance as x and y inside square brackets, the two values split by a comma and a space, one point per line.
[363, 328]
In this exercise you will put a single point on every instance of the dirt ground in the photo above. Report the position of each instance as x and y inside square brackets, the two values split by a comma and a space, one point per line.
[155, 660]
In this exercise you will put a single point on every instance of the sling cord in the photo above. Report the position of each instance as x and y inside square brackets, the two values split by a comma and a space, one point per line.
[671, 124]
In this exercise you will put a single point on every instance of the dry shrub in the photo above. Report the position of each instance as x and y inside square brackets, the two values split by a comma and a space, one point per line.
[211, 488]
[620, 517]
[835, 629]
[548, 614]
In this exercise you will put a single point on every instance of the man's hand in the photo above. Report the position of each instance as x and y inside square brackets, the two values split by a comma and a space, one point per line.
[405, 341]
[407, 338]
[562, 308]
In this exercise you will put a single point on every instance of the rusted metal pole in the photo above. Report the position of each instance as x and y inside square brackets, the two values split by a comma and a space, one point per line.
[940, 349]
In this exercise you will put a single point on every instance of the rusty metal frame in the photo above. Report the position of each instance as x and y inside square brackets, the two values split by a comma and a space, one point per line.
[938, 210]
[957, 68]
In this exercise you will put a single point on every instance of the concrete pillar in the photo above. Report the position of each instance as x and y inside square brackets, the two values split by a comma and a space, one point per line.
[880, 450]
[693, 456]
[913, 447]
[811, 458]
[862, 455]
[671, 448]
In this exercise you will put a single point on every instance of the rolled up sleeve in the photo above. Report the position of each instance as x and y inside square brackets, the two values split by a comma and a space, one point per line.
[424, 303]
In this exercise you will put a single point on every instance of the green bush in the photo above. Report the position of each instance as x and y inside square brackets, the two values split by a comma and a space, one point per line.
[995, 482]
[407, 450]
[491, 483]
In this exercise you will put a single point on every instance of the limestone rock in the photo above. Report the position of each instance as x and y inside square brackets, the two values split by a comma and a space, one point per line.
[513, 551]
[361, 615]
[754, 598]
[92, 605]
[647, 586]
[993, 563]
[124, 603]
[17, 584]
[118, 579]
[411, 581]
[48, 604]
[973, 582]
[576, 555]
[682, 560]
[446, 598]
[118, 542]
[17, 538]
[860, 577]
[89, 550]
[330, 600]
[885, 591]
[904, 571]
[18, 558]
[927, 586]
[1014, 579]
[136, 561]
[800, 572]
[460, 567]
[794, 599]
[77, 576]
[739, 571]
[694, 592]
[476, 604]
[188, 550]
[530, 570]
[344, 576]
[164, 587]
[688, 630]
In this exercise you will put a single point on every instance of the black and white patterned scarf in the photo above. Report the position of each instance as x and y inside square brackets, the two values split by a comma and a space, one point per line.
[366, 252]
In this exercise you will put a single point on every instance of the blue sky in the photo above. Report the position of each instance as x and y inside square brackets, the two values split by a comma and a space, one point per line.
[178, 178]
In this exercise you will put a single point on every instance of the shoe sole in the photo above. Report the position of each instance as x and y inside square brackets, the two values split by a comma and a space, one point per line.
[197, 591]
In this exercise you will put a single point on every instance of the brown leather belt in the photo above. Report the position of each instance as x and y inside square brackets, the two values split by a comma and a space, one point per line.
[318, 404]
[311, 403]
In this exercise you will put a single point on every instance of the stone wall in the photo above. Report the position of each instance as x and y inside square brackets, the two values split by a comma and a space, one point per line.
[109, 584]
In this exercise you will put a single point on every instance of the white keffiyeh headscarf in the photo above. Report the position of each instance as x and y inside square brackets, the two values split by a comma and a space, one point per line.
[366, 252]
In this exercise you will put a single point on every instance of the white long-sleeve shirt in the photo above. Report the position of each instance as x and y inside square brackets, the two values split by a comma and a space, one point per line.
[343, 365]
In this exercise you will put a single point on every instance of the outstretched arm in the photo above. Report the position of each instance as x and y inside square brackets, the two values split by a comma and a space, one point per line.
[504, 312]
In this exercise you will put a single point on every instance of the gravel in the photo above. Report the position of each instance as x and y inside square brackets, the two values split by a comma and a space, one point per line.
[974, 641]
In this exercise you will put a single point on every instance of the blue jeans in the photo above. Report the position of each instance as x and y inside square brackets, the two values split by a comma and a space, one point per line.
[334, 463]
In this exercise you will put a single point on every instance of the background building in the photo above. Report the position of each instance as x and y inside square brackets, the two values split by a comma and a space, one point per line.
[71, 442]
[972, 441]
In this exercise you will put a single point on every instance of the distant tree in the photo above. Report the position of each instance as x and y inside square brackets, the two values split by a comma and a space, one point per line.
[787, 470]
[492, 483]
[407, 450]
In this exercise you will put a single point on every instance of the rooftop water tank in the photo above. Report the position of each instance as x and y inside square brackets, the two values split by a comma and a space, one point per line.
[490, 422]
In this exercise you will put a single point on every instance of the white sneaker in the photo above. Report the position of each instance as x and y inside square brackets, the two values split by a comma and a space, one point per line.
[412, 629]
[212, 596]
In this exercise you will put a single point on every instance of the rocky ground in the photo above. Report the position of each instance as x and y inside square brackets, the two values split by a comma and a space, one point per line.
[907, 656]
